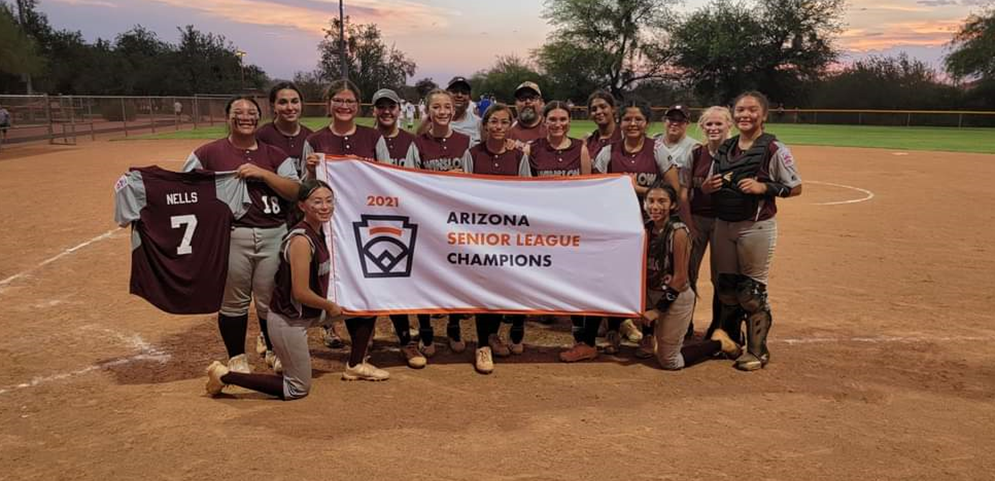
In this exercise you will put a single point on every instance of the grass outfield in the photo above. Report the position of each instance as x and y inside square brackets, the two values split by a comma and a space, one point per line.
[900, 138]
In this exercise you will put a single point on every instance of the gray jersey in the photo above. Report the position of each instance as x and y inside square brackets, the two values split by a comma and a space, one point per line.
[469, 126]
[678, 154]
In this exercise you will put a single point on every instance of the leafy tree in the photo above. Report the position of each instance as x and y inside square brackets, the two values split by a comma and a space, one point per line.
[506, 74]
[885, 83]
[424, 86]
[18, 53]
[370, 63]
[972, 58]
[611, 44]
[777, 46]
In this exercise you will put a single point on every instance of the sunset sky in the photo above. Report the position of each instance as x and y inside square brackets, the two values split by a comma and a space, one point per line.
[450, 37]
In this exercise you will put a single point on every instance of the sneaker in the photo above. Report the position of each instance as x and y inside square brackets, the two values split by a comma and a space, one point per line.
[647, 348]
[240, 364]
[630, 331]
[365, 372]
[428, 350]
[748, 362]
[331, 339]
[614, 342]
[729, 347]
[517, 349]
[274, 362]
[456, 345]
[261, 345]
[214, 374]
[413, 356]
[580, 352]
[497, 345]
[484, 363]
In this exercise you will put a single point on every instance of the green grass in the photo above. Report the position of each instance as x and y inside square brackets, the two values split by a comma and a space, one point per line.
[948, 139]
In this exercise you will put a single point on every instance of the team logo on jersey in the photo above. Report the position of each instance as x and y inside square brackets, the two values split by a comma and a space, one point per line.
[386, 245]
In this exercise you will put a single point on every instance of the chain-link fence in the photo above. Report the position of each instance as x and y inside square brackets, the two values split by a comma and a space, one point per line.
[62, 119]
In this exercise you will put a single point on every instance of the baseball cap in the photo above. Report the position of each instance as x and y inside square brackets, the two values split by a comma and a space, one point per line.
[677, 111]
[386, 94]
[528, 85]
[457, 81]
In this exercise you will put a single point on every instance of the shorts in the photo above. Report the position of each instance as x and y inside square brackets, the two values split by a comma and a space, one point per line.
[289, 337]
[745, 248]
[253, 259]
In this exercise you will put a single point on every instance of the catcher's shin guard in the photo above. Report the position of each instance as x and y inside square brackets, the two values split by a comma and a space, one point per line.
[729, 317]
[753, 298]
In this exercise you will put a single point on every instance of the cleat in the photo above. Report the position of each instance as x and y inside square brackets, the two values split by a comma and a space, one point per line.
[428, 350]
[580, 352]
[630, 331]
[261, 345]
[413, 356]
[240, 364]
[274, 362]
[214, 374]
[456, 345]
[497, 345]
[517, 349]
[364, 372]
[614, 342]
[647, 348]
[729, 347]
[484, 363]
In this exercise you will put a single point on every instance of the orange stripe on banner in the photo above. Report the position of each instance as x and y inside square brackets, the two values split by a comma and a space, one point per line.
[336, 158]
[481, 310]
[386, 230]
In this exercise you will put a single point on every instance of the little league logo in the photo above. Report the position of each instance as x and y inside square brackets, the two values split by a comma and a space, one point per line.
[386, 245]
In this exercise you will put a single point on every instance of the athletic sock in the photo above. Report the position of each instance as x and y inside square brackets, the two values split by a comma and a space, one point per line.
[360, 330]
[402, 328]
[265, 383]
[425, 330]
[517, 333]
[577, 327]
[695, 353]
[615, 323]
[233, 330]
[453, 329]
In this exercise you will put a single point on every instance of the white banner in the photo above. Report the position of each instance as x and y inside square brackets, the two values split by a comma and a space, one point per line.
[415, 241]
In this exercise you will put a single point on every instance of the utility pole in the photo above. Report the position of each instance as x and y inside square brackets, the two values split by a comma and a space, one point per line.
[22, 17]
[342, 62]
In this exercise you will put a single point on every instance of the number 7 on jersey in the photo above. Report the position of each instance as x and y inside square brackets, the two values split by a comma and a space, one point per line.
[190, 221]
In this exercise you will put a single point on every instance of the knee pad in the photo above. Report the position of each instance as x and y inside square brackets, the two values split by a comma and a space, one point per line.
[752, 296]
[726, 288]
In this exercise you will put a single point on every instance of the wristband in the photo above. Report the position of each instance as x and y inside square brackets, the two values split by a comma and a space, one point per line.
[669, 296]
[775, 189]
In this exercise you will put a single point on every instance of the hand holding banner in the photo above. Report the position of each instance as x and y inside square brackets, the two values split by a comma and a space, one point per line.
[406, 241]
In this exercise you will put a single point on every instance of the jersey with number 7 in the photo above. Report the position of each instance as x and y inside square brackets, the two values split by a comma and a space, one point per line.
[181, 231]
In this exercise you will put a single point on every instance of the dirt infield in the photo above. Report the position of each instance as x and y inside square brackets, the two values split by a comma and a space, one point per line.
[882, 360]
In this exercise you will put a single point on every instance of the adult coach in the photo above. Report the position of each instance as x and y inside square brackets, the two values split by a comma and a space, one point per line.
[528, 127]
[752, 170]
[286, 130]
[255, 239]
[465, 121]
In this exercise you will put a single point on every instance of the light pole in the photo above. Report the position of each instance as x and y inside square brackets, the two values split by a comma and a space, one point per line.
[345, 70]
[241, 67]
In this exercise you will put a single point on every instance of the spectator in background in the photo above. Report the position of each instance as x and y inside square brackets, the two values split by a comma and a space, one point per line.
[177, 110]
[464, 120]
[5, 121]
[485, 102]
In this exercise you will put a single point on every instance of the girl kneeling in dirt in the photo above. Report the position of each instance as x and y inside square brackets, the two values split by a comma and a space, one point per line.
[667, 287]
[299, 299]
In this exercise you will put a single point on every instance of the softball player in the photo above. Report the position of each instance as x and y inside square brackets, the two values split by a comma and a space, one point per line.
[601, 109]
[494, 156]
[751, 170]
[344, 137]
[715, 123]
[386, 110]
[255, 240]
[299, 300]
[637, 156]
[439, 148]
[286, 130]
[667, 287]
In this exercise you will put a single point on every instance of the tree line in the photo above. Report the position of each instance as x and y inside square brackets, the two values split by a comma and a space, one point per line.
[786, 48]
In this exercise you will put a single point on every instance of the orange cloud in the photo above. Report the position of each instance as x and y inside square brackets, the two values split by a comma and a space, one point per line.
[396, 16]
[879, 26]
[902, 33]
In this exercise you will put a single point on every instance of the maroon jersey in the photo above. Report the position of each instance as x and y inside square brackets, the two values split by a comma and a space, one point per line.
[362, 143]
[181, 229]
[511, 162]
[548, 161]
[293, 145]
[441, 153]
[595, 143]
[701, 168]
[283, 302]
[647, 164]
[527, 135]
[660, 260]
[398, 146]
[268, 208]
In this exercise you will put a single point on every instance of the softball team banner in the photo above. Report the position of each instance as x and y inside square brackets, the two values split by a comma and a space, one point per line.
[415, 241]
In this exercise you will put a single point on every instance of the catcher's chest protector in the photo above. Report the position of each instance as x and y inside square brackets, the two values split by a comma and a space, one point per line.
[731, 204]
